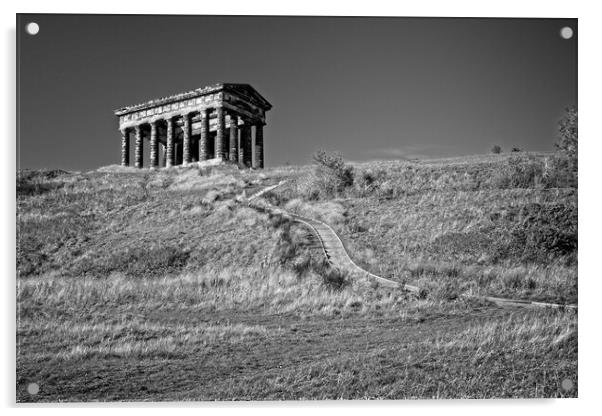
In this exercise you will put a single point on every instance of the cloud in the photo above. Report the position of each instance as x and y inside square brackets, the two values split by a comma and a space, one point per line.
[403, 152]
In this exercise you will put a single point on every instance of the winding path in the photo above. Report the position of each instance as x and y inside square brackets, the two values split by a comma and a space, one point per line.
[335, 252]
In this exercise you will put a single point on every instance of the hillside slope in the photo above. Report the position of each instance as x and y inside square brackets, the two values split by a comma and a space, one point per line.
[139, 285]
[488, 225]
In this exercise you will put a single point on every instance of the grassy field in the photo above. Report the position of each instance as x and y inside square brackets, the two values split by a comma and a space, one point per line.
[484, 225]
[163, 286]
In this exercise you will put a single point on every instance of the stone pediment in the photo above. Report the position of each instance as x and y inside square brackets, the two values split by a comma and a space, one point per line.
[236, 90]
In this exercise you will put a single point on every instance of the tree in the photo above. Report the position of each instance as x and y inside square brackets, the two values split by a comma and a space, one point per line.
[515, 149]
[567, 133]
[562, 169]
[496, 149]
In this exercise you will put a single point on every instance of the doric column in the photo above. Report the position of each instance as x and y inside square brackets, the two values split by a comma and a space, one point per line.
[169, 153]
[244, 151]
[241, 146]
[204, 134]
[219, 137]
[125, 147]
[139, 147]
[154, 146]
[258, 154]
[233, 153]
[187, 133]
[178, 153]
[164, 153]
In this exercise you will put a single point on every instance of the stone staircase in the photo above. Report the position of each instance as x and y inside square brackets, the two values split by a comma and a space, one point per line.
[335, 252]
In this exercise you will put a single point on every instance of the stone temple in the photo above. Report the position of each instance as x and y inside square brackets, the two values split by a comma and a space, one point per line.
[223, 122]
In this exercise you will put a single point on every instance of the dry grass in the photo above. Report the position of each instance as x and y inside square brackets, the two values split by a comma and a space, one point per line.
[487, 224]
[134, 338]
[137, 285]
[271, 290]
[183, 338]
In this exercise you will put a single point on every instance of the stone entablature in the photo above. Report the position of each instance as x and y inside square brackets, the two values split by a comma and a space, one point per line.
[207, 123]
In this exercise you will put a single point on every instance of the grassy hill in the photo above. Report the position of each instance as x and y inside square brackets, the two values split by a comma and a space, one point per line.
[489, 224]
[162, 285]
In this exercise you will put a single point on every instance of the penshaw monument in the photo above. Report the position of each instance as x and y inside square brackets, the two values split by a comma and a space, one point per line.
[222, 122]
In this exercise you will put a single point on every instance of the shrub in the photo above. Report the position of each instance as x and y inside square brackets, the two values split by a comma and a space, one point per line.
[369, 180]
[515, 150]
[559, 172]
[334, 278]
[496, 149]
[540, 233]
[273, 198]
[329, 178]
[330, 160]
[513, 279]
[423, 293]
[520, 172]
[286, 248]
[356, 227]
[278, 220]
[448, 291]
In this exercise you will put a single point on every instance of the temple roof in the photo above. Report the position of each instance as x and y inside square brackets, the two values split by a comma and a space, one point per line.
[237, 89]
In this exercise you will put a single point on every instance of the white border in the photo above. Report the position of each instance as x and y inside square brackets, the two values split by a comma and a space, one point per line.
[590, 93]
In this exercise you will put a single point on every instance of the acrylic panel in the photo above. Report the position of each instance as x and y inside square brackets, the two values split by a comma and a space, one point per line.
[295, 208]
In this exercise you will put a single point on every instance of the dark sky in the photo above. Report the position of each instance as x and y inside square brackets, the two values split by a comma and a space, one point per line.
[372, 88]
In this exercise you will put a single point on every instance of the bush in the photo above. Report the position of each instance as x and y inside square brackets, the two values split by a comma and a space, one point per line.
[334, 278]
[278, 220]
[274, 198]
[496, 149]
[369, 180]
[559, 172]
[287, 249]
[329, 178]
[520, 172]
[447, 290]
[540, 233]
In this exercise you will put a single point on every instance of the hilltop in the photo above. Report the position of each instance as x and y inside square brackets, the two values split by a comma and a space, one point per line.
[168, 280]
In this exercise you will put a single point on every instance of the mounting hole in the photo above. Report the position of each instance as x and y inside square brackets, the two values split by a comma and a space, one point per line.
[566, 32]
[33, 388]
[32, 28]
[567, 384]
